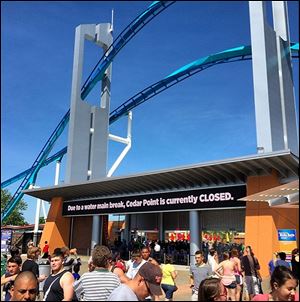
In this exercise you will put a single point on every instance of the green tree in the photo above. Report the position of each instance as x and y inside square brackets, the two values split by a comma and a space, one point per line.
[42, 220]
[16, 217]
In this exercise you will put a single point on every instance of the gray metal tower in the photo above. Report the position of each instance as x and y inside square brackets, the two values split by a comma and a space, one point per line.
[88, 126]
[275, 112]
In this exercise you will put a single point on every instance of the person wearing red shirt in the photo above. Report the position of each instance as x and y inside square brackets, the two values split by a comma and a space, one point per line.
[46, 250]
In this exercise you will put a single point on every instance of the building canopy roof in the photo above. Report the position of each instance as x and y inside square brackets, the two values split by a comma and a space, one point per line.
[210, 174]
[284, 196]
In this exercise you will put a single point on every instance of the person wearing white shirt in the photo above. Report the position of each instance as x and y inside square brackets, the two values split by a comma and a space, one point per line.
[212, 259]
[157, 247]
[135, 264]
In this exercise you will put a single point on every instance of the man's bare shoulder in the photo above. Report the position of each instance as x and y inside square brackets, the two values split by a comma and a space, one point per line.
[66, 278]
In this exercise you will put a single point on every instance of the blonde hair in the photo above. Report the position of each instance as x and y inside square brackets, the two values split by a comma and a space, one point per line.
[31, 252]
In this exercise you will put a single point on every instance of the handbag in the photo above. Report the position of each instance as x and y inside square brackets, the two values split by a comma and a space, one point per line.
[259, 281]
[258, 275]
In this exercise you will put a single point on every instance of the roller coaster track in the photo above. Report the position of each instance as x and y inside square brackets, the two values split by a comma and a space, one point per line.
[231, 55]
[96, 75]
[57, 156]
[124, 37]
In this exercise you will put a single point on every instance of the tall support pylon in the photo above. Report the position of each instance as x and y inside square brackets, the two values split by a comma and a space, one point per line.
[287, 90]
[275, 112]
[88, 126]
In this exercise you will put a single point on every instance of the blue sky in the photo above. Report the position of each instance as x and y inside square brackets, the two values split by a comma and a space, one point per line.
[209, 116]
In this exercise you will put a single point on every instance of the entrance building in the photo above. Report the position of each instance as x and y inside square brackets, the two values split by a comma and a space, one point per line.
[164, 200]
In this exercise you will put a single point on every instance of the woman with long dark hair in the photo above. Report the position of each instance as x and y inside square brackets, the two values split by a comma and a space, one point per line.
[283, 286]
[250, 266]
[212, 289]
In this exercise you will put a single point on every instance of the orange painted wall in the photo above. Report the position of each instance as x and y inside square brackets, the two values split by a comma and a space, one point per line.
[57, 228]
[262, 222]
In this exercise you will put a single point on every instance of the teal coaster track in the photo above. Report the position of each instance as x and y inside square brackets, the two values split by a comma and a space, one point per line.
[231, 55]
[96, 75]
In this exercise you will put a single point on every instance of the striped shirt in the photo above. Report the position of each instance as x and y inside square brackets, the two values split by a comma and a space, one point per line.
[96, 285]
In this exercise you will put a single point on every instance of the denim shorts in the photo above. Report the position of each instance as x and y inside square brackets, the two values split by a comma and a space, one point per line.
[169, 290]
[231, 285]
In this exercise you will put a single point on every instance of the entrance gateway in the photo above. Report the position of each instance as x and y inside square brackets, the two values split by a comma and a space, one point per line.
[163, 213]
[210, 182]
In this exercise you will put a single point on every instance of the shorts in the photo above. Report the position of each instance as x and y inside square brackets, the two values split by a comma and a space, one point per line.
[169, 290]
[231, 285]
[252, 285]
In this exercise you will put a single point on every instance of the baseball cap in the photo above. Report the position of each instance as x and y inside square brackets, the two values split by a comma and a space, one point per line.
[153, 275]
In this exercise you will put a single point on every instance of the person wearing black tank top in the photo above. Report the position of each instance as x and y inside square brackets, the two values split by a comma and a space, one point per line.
[59, 285]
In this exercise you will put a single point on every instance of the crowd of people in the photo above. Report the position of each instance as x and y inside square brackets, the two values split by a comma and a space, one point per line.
[178, 250]
[142, 277]
[226, 280]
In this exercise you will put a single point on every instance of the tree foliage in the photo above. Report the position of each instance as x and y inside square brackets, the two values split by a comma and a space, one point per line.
[16, 217]
[42, 220]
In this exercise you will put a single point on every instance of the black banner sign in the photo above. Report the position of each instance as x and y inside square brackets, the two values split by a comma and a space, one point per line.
[160, 202]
